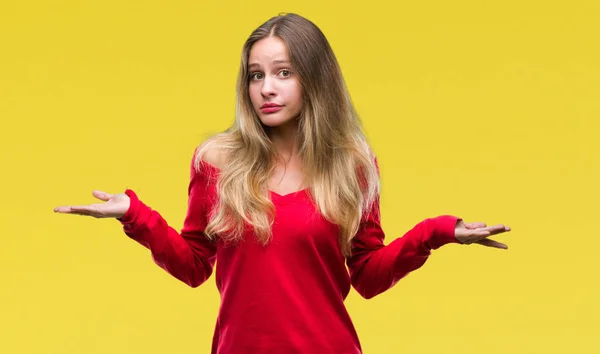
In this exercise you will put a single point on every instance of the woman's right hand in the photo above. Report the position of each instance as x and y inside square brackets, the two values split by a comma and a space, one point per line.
[115, 207]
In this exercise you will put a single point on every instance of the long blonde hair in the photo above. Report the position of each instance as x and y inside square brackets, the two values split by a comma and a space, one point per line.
[340, 168]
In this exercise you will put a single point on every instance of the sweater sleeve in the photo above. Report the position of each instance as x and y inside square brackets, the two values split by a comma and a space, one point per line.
[375, 268]
[187, 255]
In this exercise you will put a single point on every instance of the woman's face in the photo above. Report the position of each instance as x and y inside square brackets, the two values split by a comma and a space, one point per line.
[275, 91]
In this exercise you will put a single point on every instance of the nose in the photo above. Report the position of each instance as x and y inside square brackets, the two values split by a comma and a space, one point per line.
[268, 87]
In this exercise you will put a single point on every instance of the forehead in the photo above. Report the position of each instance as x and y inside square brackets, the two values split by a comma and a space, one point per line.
[268, 50]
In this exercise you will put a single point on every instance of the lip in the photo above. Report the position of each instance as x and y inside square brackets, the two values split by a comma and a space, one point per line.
[270, 105]
[270, 108]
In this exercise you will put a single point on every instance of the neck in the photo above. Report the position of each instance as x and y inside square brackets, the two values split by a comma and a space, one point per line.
[285, 139]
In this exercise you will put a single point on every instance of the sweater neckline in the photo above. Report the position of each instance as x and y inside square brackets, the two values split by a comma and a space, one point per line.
[274, 195]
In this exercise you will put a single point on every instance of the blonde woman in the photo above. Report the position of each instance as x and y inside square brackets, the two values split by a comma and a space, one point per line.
[287, 202]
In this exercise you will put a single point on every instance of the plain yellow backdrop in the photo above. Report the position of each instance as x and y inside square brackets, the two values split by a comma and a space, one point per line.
[485, 110]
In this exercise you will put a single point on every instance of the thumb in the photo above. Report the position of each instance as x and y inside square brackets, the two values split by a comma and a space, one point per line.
[102, 195]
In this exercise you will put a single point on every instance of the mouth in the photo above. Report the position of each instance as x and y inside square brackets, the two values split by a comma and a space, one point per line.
[270, 108]
[270, 105]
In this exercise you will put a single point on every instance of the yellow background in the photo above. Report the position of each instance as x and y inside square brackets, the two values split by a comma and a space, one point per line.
[485, 110]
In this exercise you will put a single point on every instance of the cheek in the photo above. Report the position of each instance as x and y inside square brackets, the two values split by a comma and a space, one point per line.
[254, 93]
[295, 93]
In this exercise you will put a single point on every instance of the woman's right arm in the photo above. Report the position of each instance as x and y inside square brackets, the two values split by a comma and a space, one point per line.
[187, 255]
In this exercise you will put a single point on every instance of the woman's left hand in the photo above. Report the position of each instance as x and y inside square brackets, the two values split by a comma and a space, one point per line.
[478, 232]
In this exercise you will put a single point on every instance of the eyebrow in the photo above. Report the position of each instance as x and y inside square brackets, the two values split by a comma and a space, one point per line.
[274, 62]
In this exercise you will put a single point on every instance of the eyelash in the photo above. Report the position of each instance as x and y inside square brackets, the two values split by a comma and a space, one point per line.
[286, 70]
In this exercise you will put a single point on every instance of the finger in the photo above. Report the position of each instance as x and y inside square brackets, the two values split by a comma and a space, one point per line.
[90, 210]
[68, 209]
[496, 229]
[102, 195]
[82, 212]
[491, 243]
[475, 225]
[72, 210]
[478, 233]
[62, 209]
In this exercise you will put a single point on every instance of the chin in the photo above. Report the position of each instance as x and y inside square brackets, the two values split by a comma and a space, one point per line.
[274, 121]
[271, 123]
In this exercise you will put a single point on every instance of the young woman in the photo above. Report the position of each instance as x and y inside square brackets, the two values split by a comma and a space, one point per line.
[286, 202]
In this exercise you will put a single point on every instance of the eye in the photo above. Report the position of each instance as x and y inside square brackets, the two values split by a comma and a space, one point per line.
[285, 73]
[255, 76]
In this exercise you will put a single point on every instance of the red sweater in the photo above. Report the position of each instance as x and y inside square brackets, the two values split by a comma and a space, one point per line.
[287, 297]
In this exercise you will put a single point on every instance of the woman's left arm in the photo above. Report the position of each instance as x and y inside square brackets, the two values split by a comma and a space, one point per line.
[375, 267]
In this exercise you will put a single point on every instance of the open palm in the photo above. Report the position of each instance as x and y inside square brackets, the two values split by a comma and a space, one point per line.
[115, 206]
[478, 232]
